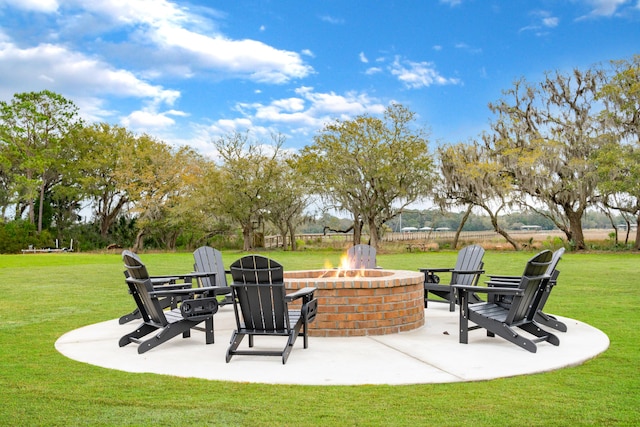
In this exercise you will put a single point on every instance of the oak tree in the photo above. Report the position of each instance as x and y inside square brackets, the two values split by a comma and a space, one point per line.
[371, 167]
[544, 137]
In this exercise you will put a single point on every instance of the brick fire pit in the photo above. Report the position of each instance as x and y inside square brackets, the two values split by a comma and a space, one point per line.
[362, 302]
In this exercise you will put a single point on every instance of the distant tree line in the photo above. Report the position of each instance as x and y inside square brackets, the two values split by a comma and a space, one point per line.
[559, 147]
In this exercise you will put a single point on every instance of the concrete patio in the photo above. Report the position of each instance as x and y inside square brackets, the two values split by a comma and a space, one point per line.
[430, 354]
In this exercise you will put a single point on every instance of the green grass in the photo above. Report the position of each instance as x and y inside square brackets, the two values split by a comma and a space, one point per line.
[44, 296]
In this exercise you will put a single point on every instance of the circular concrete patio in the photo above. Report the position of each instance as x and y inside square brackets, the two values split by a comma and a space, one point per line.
[430, 354]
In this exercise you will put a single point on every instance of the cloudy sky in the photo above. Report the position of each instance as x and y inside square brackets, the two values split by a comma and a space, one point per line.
[190, 71]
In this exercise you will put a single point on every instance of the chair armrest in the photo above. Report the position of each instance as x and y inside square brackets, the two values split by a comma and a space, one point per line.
[489, 290]
[161, 286]
[161, 280]
[215, 290]
[199, 309]
[300, 293]
[436, 270]
[173, 277]
[504, 278]
[172, 286]
[468, 271]
[501, 283]
[196, 274]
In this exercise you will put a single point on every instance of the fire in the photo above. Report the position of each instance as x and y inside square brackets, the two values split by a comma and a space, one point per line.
[344, 263]
[343, 270]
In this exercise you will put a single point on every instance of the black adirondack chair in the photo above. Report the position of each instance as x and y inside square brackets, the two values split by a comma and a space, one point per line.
[194, 306]
[502, 320]
[261, 306]
[208, 259]
[136, 269]
[511, 281]
[466, 272]
[361, 256]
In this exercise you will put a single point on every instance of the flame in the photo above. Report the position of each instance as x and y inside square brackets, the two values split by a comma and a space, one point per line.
[343, 270]
[344, 263]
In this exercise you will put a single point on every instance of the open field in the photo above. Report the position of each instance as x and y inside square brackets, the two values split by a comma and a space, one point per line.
[45, 295]
[434, 240]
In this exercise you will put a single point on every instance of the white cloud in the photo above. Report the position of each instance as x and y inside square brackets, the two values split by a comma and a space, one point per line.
[332, 20]
[373, 70]
[226, 126]
[605, 7]
[143, 120]
[464, 46]
[189, 41]
[289, 104]
[451, 2]
[363, 58]
[416, 75]
[250, 58]
[542, 20]
[72, 73]
[301, 115]
[46, 6]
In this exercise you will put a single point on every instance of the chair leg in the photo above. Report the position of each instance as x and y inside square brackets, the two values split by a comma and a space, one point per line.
[165, 334]
[142, 330]
[543, 335]
[208, 330]
[305, 334]
[236, 339]
[291, 341]
[287, 349]
[550, 321]
[135, 314]
[464, 322]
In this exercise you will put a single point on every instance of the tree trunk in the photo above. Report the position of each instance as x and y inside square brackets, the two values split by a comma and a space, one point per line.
[459, 230]
[41, 206]
[499, 230]
[107, 218]
[637, 243]
[374, 235]
[357, 231]
[294, 244]
[575, 229]
[139, 243]
[247, 231]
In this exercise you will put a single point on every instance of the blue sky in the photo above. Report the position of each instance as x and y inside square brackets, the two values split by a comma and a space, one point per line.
[189, 72]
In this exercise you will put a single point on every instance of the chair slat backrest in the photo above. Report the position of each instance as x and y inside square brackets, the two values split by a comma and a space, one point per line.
[140, 288]
[362, 256]
[554, 261]
[258, 287]
[523, 307]
[208, 259]
[469, 258]
[135, 266]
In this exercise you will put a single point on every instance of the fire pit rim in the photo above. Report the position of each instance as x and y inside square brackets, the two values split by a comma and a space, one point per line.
[380, 278]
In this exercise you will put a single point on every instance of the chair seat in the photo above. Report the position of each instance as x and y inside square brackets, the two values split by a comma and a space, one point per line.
[491, 310]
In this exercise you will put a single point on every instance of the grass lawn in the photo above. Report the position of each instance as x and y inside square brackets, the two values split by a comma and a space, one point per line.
[44, 296]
